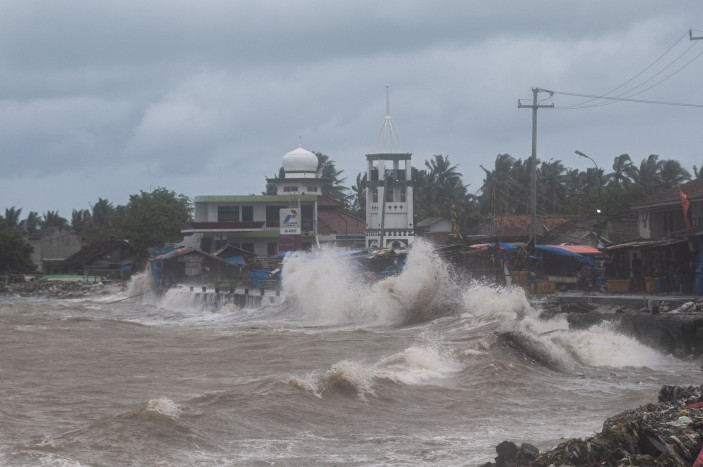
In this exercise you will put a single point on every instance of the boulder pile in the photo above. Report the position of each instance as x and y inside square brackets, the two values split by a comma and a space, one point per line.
[666, 433]
[59, 289]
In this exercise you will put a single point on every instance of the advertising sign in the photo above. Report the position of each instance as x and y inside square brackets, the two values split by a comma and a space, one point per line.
[290, 221]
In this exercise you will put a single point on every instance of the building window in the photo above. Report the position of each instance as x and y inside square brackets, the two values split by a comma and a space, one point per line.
[312, 189]
[271, 248]
[227, 213]
[247, 213]
[273, 216]
[290, 189]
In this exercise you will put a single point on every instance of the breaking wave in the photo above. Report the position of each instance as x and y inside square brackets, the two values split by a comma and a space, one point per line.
[328, 291]
[416, 365]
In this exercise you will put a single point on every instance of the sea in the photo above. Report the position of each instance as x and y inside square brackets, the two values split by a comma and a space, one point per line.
[430, 367]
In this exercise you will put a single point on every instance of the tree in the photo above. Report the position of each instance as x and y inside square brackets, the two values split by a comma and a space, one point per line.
[53, 219]
[358, 203]
[12, 217]
[495, 191]
[649, 174]
[152, 219]
[31, 224]
[15, 253]
[80, 220]
[332, 183]
[672, 174]
[438, 188]
[624, 172]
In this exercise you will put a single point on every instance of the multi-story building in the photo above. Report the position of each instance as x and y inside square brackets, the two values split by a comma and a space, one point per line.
[298, 216]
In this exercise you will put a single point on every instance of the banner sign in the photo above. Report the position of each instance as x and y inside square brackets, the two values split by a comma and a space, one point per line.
[290, 222]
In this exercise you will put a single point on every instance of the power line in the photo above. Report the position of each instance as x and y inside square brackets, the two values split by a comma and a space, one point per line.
[576, 106]
[624, 99]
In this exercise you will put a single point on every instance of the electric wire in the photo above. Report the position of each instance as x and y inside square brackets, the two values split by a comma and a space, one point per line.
[576, 106]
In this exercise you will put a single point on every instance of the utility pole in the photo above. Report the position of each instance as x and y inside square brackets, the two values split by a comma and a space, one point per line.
[533, 204]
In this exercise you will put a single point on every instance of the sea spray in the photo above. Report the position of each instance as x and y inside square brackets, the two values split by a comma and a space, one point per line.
[163, 406]
[327, 289]
[416, 365]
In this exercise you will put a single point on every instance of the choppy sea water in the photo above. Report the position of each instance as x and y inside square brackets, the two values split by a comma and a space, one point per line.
[421, 369]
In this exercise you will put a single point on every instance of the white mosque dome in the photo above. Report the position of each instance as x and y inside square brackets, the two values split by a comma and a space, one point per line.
[300, 161]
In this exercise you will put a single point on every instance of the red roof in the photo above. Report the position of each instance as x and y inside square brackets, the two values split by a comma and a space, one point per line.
[327, 202]
[340, 223]
[693, 191]
[516, 226]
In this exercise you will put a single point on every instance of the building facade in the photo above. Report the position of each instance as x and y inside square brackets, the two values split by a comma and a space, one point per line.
[296, 217]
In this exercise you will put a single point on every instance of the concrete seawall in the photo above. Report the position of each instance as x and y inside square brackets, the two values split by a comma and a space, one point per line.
[673, 324]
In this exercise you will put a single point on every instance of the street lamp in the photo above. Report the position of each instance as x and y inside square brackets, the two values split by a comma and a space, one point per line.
[580, 154]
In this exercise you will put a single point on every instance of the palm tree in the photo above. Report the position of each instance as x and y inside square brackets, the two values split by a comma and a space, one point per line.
[624, 172]
[551, 184]
[52, 219]
[672, 174]
[80, 219]
[359, 195]
[445, 185]
[12, 217]
[495, 191]
[102, 210]
[332, 183]
[32, 223]
[649, 174]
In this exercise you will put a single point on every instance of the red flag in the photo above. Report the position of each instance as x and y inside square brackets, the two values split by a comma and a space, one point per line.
[686, 205]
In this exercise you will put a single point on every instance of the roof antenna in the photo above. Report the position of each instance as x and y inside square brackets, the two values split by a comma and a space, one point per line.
[300, 141]
[389, 132]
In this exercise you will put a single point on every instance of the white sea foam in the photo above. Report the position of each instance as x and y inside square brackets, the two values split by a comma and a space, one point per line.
[328, 291]
[416, 365]
[599, 346]
[163, 406]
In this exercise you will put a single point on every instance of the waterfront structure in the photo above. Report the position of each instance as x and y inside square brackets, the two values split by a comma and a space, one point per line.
[295, 216]
[389, 191]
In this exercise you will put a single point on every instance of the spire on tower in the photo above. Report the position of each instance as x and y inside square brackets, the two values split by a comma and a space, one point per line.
[388, 139]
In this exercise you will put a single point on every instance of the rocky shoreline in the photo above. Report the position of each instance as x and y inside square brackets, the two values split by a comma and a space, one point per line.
[60, 289]
[666, 433]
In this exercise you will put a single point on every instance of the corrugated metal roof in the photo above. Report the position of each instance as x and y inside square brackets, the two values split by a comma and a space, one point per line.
[339, 223]
[648, 243]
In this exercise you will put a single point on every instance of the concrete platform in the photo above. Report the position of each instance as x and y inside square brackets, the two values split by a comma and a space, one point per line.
[671, 323]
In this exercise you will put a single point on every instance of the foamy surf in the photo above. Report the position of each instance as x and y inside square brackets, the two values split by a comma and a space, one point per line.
[163, 406]
[415, 365]
[328, 291]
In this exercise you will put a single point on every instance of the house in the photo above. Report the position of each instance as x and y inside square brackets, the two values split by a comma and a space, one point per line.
[434, 229]
[52, 246]
[662, 215]
[669, 249]
[297, 216]
[107, 258]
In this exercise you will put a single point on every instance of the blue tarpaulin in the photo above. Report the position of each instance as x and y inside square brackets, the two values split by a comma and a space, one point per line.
[237, 259]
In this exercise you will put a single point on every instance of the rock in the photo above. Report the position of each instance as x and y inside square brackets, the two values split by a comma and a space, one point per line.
[59, 289]
[668, 433]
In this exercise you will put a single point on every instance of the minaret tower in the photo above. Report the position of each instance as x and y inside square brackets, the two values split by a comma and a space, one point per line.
[389, 190]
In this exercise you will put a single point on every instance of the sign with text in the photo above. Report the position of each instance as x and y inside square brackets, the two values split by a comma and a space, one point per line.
[290, 221]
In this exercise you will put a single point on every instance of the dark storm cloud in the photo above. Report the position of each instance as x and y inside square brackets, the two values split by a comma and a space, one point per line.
[101, 99]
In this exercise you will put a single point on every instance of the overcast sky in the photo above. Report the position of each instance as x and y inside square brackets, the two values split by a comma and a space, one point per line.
[102, 99]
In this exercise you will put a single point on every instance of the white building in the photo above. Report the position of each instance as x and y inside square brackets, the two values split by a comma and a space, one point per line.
[253, 222]
[389, 191]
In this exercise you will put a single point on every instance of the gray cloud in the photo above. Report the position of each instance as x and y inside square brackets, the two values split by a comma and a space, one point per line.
[103, 99]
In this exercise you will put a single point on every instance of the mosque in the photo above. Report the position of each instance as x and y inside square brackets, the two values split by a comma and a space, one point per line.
[299, 217]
